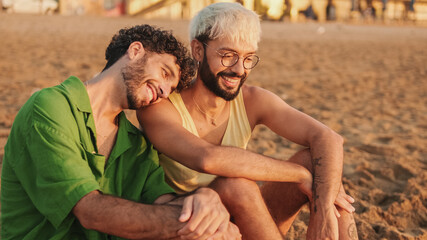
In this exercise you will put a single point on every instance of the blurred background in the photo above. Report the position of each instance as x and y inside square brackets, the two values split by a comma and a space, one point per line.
[275, 10]
[358, 66]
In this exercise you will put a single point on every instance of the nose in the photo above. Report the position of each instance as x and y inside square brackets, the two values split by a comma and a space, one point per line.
[164, 90]
[238, 67]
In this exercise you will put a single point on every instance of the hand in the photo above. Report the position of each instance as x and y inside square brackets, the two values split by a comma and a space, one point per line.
[344, 201]
[232, 233]
[205, 216]
[323, 224]
[305, 186]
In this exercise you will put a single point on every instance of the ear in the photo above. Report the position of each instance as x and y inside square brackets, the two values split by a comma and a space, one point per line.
[197, 50]
[135, 50]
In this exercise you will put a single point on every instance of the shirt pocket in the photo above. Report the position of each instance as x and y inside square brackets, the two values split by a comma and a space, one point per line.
[96, 163]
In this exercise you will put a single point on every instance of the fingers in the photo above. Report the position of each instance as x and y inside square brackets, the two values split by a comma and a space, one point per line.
[228, 232]
[233, 232]
[187, 209]
[220, 227]
[207, 216]
[193, 224]
[344, 202]
[221, 231]
[349, 198]
[200, 230]
[306, 188]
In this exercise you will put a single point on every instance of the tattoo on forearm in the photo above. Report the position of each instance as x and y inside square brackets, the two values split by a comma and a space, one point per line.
[352, 231]
[316, 180]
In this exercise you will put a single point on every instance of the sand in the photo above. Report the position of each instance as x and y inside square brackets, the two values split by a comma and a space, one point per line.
[368, 83]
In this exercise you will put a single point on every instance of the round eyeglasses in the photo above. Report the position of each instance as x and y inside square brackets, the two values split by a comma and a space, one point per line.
[230, 59]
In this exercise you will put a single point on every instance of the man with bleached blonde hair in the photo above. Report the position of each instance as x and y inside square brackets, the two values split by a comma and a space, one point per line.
[210, 124]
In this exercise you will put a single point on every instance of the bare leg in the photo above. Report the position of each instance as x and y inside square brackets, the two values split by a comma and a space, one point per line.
[257, 211]
[284, 201]
[347, 226]
[243, 200]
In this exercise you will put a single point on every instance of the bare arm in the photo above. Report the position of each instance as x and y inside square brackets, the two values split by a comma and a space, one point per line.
[162, 124]
[325, 145]
[198, 215]
[326, 152]
[127, 219]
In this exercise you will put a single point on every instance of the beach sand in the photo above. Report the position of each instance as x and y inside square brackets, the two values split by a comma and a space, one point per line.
[368, 83]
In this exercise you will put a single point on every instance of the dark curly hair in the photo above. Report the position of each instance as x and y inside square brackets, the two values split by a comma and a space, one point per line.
[154, 40]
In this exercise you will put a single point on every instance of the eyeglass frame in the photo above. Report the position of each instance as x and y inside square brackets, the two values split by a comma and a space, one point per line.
[238, 57]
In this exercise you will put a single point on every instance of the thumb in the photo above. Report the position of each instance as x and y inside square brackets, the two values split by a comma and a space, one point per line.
[187, 208]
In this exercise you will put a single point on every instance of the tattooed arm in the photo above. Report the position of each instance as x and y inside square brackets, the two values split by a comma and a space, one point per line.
[325, 145]
[327, 169]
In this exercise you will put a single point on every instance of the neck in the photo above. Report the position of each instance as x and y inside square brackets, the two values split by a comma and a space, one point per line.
[105, 93]
[201, 101]
[207, 100]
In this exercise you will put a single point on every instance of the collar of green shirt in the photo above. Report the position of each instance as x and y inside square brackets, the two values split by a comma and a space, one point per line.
[77, 90]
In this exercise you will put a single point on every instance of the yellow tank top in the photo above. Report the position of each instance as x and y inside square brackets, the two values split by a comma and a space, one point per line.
[237, 134]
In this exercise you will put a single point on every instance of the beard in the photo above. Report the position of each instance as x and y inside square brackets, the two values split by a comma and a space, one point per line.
[212, 82]
[133, 76]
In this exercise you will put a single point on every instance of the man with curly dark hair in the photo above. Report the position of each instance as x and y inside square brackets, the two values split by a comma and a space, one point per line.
[75, 168]
[153, 40]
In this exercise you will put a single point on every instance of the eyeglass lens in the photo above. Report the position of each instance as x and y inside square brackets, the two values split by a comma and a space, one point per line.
[230, 59]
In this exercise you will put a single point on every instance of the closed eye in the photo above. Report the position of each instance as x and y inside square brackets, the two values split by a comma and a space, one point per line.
[250, 58]
[165, 74]
[227, 54]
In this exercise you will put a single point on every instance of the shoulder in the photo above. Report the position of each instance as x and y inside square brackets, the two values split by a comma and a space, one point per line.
[45, 104]
[53, 104]
[52, 109]
[255, 93]
[51, 99]
[255, 96]
[161, 111]
[260, 102]
[163, 107]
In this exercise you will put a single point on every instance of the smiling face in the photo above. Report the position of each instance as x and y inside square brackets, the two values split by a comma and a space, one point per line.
[149, 79]
[225, 82]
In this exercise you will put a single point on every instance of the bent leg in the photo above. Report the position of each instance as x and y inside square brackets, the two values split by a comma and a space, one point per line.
[347, 226]
[243, 200]
[285, 200]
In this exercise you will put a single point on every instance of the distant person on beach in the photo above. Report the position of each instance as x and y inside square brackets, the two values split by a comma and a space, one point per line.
[75, 168]
[202, 133]
[355, 5]
[309, 13]
[370, 11]
[330, 11]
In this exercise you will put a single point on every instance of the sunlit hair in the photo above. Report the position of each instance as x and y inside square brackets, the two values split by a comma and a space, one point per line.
[154, 40]
[226, 20]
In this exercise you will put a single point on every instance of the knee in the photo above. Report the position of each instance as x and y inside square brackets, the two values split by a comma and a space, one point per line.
[303, 158]
[238, 192]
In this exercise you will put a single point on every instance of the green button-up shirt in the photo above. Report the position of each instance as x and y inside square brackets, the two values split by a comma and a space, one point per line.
[51, 162]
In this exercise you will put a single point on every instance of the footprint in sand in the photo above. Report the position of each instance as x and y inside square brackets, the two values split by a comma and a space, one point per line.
[378, 149]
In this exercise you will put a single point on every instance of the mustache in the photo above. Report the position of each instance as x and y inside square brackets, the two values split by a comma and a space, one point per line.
[231, 74]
